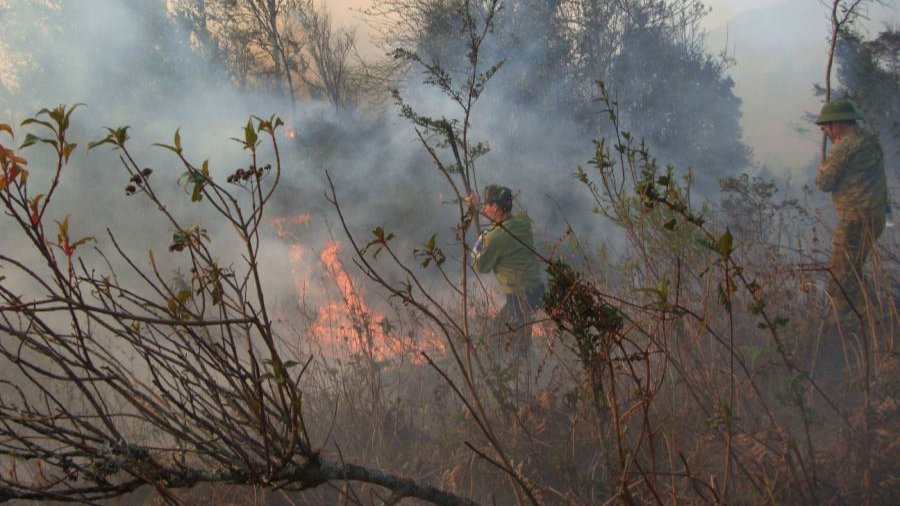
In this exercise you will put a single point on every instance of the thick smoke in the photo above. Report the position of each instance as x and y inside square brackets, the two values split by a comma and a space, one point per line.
[133, 64]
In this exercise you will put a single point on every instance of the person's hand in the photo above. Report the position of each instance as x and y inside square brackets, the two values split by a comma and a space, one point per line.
[478, 247]
[472, 200]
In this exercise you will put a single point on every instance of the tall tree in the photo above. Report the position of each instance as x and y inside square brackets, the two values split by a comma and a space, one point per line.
[330, 50]
[869, 72]
[262, 40]
[651, 51]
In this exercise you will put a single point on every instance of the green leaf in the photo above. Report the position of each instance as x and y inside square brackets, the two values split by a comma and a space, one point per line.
[116, 136]
[30, 121]
[71, 110]
[706, 243]
[67, 151]
[726, 244]
[105, 140]
[250, 135]
[670, 225]
[197, 194]
[170, 148]
[30, 139]
[83, 240]
[177, 141]
[58, 114]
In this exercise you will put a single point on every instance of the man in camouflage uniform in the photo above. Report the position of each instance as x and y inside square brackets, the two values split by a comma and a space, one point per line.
[854, 175]
[506, 248]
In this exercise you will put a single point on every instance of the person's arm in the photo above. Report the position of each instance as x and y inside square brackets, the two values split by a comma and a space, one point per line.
[832, 169]
[485, 259]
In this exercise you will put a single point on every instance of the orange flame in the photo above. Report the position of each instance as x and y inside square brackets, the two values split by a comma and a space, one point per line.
[358, 325]
[348, 322]
[286, 227]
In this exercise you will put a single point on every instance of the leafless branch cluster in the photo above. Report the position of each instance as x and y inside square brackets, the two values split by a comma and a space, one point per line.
[118, 378]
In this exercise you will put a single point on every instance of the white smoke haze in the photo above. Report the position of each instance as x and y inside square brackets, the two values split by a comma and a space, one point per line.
[779, 47]
[132, 64]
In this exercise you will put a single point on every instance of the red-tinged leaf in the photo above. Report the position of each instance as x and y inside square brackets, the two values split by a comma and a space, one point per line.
[6, 128]
[36, 202]
[35, 218]
[19, 160]
[2, 182]
[23, 177]
[63, 236]
[13, 172]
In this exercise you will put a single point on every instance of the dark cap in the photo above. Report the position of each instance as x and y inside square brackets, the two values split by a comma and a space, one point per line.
[496, 194]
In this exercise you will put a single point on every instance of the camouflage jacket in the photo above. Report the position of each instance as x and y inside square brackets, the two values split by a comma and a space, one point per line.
[854, 175]
[506, 252]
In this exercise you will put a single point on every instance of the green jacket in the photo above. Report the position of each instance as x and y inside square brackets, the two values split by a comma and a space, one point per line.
[854, 175]
[504, 253]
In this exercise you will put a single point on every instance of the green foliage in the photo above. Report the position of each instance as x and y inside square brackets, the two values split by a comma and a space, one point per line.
[198, 178]
[115, 136]
[578, 309]
[379, 242]
[430, 252]
[190, 237]
[176, 143]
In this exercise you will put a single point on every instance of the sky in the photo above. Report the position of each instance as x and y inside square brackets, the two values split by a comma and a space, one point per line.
[779, 50]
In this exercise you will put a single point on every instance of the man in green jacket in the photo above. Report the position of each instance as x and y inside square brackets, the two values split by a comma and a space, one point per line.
[506, 248]
[854, 175]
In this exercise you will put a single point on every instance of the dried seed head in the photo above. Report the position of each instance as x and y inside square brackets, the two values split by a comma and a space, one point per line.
[146, 172]
[130, 189]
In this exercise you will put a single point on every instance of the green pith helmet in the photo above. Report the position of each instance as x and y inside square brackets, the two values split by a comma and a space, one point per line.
[496, 194]
[838, 110]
